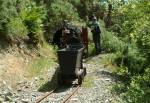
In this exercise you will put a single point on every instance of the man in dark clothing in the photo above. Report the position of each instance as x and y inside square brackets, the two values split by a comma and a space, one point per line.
[57, 38]
[95, 29]
[61, 37]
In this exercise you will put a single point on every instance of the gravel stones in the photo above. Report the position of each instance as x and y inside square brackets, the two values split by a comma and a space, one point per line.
[95, 89]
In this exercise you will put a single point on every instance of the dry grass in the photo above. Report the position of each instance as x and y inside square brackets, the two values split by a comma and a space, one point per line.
[12, 68]
[108, 62]
[88, 82]
[19, 64]
[44, 60]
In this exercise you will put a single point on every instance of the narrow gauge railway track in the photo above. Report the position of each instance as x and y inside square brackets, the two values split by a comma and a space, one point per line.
[46, 95]
[51, 92]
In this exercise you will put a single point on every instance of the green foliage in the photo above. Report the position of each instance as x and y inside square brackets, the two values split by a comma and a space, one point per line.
[128, 16]
[139, 89]
[38, 65]
[33, 17]
[19, 19]
[110, 42]
[44, 61]
[135, 30]
[61, 10]
[58, 11]
[7, 11]
[119, 88]
[132, 59]
[91, 49]
[81, 7]
[17, 29]
[133, 22]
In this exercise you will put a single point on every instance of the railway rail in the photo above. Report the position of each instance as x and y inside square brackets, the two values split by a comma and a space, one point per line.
[46, 95]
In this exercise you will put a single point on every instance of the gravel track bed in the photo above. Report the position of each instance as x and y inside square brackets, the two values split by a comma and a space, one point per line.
[97, 88]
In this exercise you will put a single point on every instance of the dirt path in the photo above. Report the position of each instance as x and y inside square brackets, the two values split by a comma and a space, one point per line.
[96, 88]
[98, 84]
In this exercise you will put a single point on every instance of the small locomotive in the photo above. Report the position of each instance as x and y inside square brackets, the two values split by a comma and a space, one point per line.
[70, 57]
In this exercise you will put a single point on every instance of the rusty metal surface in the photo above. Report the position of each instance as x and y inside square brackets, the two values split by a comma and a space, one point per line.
[70, 95]
[45, 96]
[51, 92]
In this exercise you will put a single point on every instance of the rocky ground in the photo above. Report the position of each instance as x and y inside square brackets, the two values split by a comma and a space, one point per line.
[96, 88]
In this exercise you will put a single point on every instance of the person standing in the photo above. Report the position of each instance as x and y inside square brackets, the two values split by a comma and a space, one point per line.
[95, 29]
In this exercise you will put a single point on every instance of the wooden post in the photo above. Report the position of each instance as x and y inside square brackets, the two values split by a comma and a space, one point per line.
[84, 37]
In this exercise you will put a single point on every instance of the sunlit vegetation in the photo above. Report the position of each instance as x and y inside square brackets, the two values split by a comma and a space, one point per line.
[44, 60]
[131, 25]
[125, 26]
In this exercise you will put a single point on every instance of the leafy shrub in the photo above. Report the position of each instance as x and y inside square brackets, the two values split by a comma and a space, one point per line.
[132, 59]
[111, 43]
[7, 11]
[142, 36]
[139, 89]
[82, 8]
[61, 10]
[21, 18]
[135, 29]
[17, 29]
[32, 17]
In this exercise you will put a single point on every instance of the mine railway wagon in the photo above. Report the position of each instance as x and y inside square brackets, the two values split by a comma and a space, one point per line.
[70, 61]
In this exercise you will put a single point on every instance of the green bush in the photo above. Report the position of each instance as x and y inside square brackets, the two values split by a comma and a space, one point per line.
[133, 22]
[58, 11]
[21, 18]
[139, 89]
[33, 17]
[61, 10]
[17, 29]
[135, 31]
[111, 43]
[7, 11]
[132, 59]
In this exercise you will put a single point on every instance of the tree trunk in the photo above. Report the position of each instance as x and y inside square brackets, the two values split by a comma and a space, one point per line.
[108, 21]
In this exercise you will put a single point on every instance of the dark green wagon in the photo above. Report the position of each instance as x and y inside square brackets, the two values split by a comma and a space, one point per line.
[70, 64]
